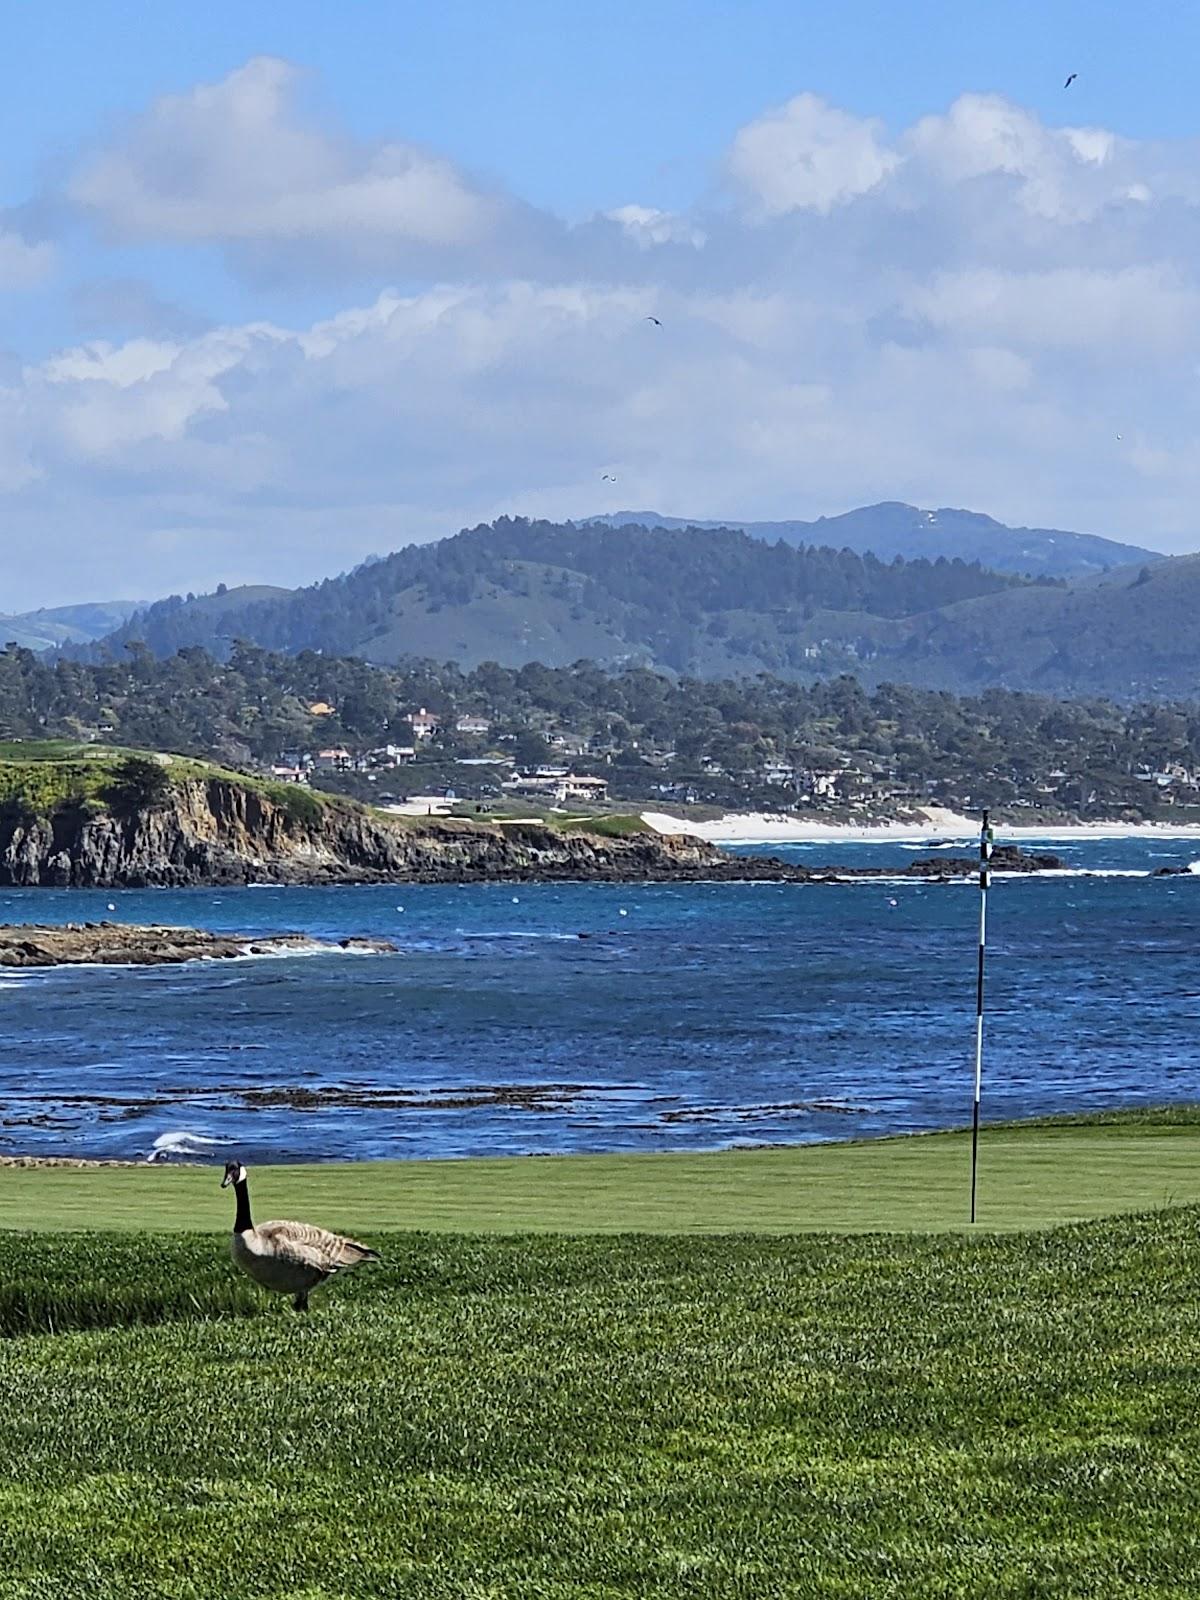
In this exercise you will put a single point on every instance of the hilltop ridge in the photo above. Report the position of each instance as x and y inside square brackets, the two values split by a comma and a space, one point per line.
[892, 528]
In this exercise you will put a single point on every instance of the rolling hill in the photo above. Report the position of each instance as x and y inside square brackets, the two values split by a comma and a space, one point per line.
[47, 628]
[718, 603]
[1132, 634]
[893, 529]
[708, 602]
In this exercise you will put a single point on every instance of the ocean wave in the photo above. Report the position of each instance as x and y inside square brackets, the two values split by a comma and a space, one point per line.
[182, 1142]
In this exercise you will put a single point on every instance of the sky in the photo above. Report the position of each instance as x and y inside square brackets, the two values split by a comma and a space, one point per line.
[286, 285]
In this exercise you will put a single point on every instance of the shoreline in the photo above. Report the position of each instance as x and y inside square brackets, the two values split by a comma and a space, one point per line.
[937, 824]
[1116, 1119]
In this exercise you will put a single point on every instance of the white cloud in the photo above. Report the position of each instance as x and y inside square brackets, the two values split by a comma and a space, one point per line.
[808, 156]
[1149, 311]
[965, 312]
[647, 227]
[235, 163]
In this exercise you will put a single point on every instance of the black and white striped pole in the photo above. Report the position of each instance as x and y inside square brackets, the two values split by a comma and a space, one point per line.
[985, 856]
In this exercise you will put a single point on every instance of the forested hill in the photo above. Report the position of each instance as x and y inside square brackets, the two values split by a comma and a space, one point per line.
[894, 529]
[702, 601]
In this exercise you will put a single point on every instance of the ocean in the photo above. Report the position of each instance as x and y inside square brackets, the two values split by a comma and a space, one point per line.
[540, 1019]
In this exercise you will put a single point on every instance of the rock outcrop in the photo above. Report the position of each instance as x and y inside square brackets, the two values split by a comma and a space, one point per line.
[216, 831]
[126, 944]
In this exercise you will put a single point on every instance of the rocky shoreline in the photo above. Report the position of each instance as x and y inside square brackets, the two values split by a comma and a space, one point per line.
[125, 944]
[218, 832]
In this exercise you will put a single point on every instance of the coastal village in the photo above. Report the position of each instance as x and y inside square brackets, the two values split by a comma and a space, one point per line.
[436, 762]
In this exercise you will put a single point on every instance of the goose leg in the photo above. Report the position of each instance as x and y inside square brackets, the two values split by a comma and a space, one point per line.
[301, 1302]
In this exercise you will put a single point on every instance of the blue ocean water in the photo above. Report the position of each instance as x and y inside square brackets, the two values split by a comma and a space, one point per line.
[696, 1016]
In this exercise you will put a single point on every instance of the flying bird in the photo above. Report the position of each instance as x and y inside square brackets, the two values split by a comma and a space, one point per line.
[1070, 80]
[607, 477]
[1118, 436]
[654, 320]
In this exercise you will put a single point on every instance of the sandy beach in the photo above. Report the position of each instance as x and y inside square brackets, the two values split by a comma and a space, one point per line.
[936, 823]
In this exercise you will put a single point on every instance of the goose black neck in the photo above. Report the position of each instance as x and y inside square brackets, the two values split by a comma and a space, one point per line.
[241, 1222]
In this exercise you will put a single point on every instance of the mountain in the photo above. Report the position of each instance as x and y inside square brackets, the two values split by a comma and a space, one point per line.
[44, 629]
[718, 603]
[706, 602]
[892, 529]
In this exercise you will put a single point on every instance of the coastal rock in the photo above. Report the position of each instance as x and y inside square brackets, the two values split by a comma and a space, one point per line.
[1005, 858]
[218, 831]
[126, 944]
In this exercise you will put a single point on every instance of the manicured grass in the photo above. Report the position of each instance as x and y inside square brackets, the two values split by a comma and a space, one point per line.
[1031, 1176]
[615, 825]
[900, 1416]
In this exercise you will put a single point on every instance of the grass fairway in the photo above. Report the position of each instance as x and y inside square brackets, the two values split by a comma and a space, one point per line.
[765, 1412]
[1031, 1176]
[902, 1416]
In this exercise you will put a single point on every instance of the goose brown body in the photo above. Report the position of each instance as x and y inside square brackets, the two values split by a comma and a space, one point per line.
[288, 1257]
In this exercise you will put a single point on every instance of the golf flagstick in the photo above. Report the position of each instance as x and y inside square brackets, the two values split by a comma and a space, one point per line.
[985, 856]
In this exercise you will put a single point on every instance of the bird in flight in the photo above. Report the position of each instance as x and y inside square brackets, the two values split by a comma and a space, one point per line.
[1070, 80]
[1118, 436]
[607, 477]
[654, 320]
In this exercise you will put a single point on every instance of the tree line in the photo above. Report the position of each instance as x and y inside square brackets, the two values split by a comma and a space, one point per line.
[645, 729]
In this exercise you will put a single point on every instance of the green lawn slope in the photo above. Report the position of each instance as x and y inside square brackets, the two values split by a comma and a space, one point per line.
[902, 1415]
[1031, 1176]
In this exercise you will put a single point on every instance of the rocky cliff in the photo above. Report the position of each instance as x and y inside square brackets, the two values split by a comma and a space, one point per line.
[217, 831]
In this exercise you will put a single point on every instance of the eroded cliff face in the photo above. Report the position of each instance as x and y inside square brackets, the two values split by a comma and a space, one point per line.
[218, 832]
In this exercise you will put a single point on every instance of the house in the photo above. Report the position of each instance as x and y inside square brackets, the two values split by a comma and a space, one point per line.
[550, 783]
[824, 785]
[320, 708]
[578, 787]
[391, 755]
[290, 774]
[334, 760]
[423, 723]
[473, 727]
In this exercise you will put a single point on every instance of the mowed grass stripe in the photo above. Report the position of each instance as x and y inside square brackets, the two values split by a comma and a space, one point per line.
[899, 1415]
[1032, 1176]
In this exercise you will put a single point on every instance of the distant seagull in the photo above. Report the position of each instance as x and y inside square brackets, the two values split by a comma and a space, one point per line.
[1070, 80]
[1118, 436]
[654, 320]
[607, 477]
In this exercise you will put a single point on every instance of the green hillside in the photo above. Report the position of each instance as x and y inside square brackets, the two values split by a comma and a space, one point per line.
[716, 603]
[694, 600]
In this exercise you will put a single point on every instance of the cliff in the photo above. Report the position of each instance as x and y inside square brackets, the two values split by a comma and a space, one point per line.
[216, 830]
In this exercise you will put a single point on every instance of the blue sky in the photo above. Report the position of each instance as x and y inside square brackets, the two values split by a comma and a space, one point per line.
[282, 285]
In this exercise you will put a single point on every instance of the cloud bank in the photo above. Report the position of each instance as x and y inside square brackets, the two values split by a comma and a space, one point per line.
[968, 311]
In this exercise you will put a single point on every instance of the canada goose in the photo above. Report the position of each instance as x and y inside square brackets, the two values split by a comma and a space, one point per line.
[287, 1257]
